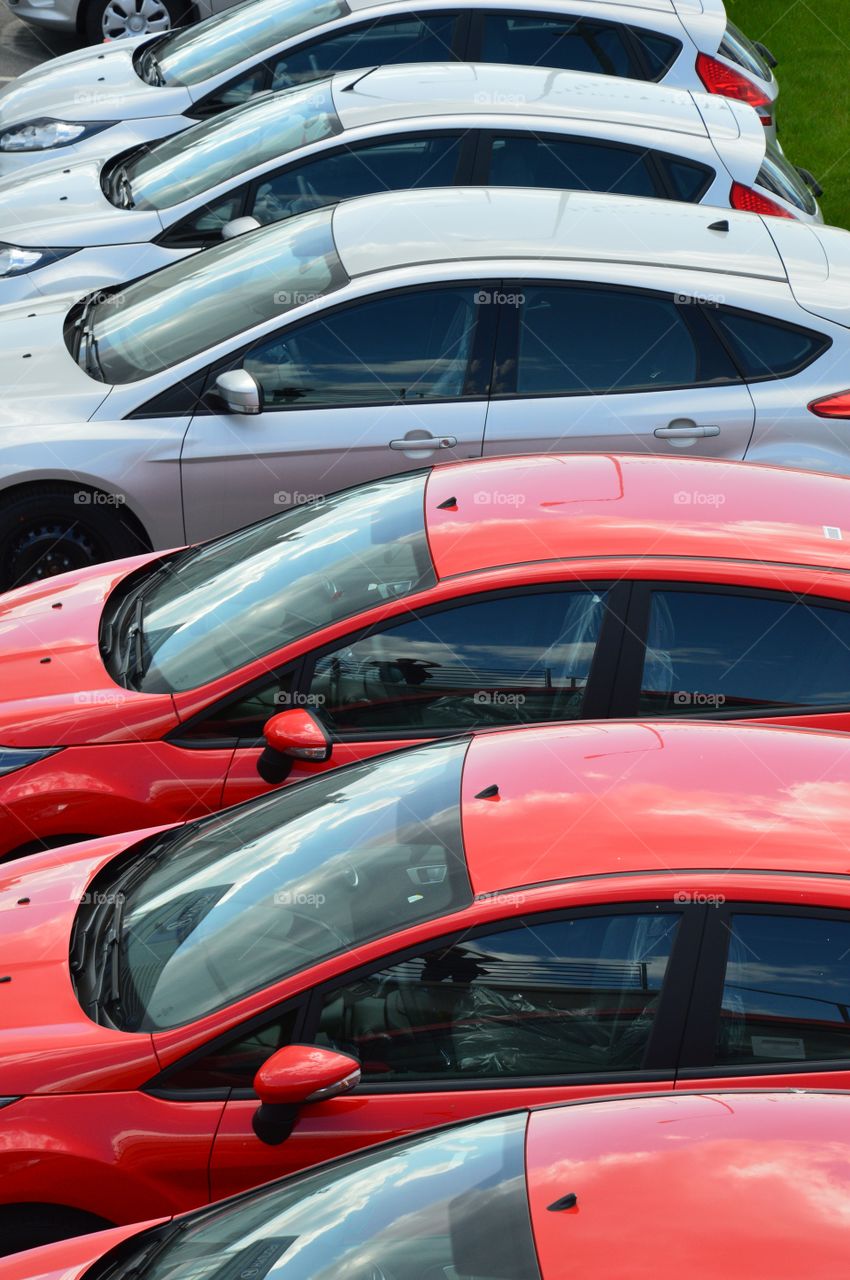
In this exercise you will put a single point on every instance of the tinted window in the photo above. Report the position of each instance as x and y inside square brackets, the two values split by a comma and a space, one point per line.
[713, 652]
[358, 171]
[498, 661]
[233, 1064]
[388, 40]
[531, 161]
[689, 181]
[766, 348]
[782, 179]
[205, 224]
[549, 998]
[408, 347]
[583, 341]
[245, 717]
[786, 995]
[659, 52]
[574, 44]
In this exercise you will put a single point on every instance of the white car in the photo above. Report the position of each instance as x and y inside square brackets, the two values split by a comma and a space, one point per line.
[150, 86]
[96, 222]
[400, 329]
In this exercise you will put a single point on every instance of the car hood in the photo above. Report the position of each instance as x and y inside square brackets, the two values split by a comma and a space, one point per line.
[47, 1044]
[54, 689]
[64, 205]
[41, 381]
[97, 84]
[69, 1259]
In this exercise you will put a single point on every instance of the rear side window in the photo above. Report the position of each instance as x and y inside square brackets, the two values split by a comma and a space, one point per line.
[659, 52]
[712, 652]
[572, 44]
[767, 348]
[574, 163]
[781, 179]
[413, 38]
[786, 994]
[688, 180]
[740, 49]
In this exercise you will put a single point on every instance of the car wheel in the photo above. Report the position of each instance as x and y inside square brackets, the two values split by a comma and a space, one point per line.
[54, 530]
[112, 19]
[26, 1226]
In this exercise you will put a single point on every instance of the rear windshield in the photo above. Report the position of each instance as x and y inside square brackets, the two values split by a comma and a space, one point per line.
[740, 49]
[780, 178]
[193, 162]
[197, 53]
[260, 892]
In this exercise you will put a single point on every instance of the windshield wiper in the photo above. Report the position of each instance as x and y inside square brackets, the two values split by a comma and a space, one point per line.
[120, 190]
[149, 69]
[132, 668]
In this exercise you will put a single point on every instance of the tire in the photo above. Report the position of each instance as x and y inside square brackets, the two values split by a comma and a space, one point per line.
[56, 529]
[112, 19]
[25, 1226]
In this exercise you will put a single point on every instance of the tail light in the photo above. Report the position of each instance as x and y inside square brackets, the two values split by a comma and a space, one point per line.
[718, 78]
[834, 406]
[750, 201]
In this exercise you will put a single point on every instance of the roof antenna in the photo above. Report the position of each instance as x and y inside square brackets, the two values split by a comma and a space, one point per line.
[569, 1201]
[450, 504]
[489, 793]
[349, 88]
[719, 226]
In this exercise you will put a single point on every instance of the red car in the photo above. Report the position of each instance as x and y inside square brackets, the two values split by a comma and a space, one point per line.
[531, 915]
[483, 593]
[709, 1186]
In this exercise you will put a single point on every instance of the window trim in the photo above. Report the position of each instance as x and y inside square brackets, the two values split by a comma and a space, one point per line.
[710, 311]
[703, 1018]
[627, 685]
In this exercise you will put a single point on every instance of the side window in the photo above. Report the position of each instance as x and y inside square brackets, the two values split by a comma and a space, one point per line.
[572, 44]
[579, 340]
[414, 38]
[233, 94]
[205, 224]
[406, 347]
[232, 1064]
[688, 180]
[659, 52]
[544, 998]
[245, 716]
[786, 994]
[583, 165]
[714, 652]
[510, 660]
[768, 348]
[396, 165]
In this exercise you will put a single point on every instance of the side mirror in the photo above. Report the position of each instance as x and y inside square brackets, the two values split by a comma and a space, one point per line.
[291, 735]
[239, 227]
[240, 391]
[293, 1076]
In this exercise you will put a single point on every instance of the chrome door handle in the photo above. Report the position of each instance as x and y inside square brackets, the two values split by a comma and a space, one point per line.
[692, 432]
[424, 442]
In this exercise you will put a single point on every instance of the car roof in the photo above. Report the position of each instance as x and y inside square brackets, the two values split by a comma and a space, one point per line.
[657, 6]
[490, 89]
[614, 798]
[486, 513]
[407, 228]
[720, 1185]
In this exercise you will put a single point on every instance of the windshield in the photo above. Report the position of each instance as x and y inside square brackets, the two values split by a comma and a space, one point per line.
[779, 176]
[210, 48]
[252, 895]
[193, 162]
[227, 603]
[445, 1206]
[187, 308]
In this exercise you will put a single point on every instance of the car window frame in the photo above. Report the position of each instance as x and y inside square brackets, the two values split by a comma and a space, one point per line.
[627, 682]
[702, 1028]
[478, 18]
[663, 1046]
[709, 310]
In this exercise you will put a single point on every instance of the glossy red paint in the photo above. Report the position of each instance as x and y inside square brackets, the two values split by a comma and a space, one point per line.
[69, 1259]
[516, 521]
[724, 1186]
[293, 1074]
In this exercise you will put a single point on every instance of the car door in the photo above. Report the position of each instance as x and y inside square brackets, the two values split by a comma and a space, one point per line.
[735, 652]
[502, 658]
[586, 366]
[771, 1002]
[531, 1009]
[385, 384]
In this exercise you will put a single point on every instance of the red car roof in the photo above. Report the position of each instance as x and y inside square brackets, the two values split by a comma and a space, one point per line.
[717, 1186]
[515, 510]
[613, 797]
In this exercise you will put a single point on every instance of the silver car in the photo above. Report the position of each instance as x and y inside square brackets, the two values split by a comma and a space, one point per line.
[399, 329]
[98, 222]
[150, 86]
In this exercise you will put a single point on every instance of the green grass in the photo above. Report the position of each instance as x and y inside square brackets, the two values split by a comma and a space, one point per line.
[811, 39]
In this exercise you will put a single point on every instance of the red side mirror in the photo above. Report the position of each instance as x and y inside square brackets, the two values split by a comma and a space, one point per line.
[297, 1074]
[299, 735]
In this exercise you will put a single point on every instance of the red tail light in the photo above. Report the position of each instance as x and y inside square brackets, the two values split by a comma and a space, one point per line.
[718, 78]
[835, 406]
[750, 201]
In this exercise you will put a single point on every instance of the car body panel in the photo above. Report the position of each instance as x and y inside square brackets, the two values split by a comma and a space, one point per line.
[68, 1259]
[30, 213]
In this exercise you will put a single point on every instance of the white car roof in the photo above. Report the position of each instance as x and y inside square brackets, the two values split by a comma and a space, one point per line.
[401, 229]
[656, 6]
[458, 88]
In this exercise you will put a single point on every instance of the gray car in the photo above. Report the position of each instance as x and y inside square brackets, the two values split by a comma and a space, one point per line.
[397, 330]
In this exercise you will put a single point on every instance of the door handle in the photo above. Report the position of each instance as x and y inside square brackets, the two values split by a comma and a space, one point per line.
[690, 432]
[424, 442]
